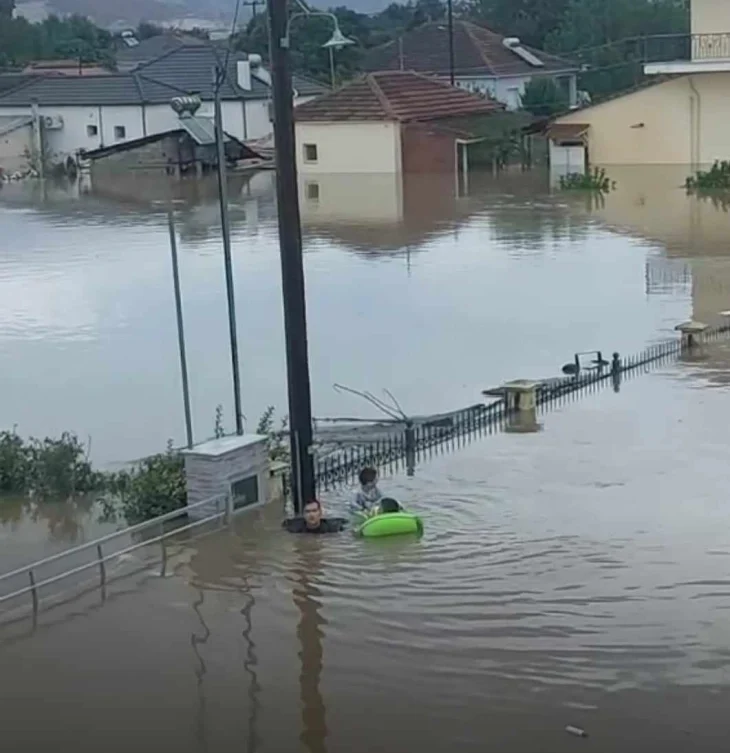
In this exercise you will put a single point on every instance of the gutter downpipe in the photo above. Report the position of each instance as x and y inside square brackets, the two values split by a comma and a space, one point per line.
[696, 126]
[37, 140]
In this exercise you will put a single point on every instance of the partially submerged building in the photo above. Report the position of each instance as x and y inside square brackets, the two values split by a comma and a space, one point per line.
[390, 123]
[678, 118]
[188, 149]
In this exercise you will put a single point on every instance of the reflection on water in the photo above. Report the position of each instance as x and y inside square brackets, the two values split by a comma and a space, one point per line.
[411, 287]
[437, 299]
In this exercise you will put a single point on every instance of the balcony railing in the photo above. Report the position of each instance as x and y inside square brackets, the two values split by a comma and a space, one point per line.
[711, 46]
[657, 48]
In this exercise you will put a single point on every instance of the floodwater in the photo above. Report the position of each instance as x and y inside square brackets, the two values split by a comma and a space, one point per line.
[573, 576]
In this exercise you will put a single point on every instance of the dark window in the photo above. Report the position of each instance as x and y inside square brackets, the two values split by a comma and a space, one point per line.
[120, 132]
[312, 191]
[92, 130]
[245, 492]
[310, 152]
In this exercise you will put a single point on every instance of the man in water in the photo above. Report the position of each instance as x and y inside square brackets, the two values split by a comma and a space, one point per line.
[313, 522]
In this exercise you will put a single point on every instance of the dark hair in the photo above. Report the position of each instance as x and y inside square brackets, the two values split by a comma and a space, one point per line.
[312, 502]
[368, 475]
[388, 504]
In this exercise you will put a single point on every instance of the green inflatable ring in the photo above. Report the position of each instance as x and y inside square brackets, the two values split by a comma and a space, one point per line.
[390, 524]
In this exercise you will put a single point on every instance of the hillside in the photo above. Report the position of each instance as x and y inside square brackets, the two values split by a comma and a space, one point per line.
[111, 13]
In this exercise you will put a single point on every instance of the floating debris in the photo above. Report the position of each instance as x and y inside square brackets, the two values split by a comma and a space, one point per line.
[577, 731]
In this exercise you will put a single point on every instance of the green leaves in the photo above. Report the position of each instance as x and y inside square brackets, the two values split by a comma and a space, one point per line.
[74, 38]
[543, 97]
[46, 468]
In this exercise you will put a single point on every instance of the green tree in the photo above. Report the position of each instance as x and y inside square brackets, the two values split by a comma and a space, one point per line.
[7, 8]
[147, 30]
[612, 40]
[543, 97]
[530, 20]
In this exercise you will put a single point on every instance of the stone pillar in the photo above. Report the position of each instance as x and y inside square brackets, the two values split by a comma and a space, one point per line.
[235, 467]
[691, 333]
[521, 395]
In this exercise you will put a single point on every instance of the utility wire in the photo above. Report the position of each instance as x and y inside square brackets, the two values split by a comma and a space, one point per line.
[220, 78]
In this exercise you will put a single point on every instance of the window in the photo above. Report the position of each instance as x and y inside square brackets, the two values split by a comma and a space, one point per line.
[312, 191]
[310, 152]
[92, 130]
[120, 132]
[245, 492]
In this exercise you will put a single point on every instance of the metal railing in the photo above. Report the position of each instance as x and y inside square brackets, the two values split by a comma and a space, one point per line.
[223, 511]
[405, 445]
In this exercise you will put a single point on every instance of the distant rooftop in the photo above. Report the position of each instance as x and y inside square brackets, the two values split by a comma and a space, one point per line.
[477, 51]
[187, 69]
[401, 96]
[130, 56]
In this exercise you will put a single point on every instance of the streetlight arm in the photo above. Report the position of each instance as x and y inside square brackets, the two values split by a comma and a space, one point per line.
[284, 41]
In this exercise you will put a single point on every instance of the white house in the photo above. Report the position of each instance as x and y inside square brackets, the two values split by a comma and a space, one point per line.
[91, 112]
[484, 61]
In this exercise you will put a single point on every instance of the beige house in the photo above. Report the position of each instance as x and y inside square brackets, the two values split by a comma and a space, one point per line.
[389, 123]
[679, 119]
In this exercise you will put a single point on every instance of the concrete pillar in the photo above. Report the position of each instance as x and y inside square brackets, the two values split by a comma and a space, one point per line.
[521, 395]
[691, 333]
[232, 473]
[523, 422]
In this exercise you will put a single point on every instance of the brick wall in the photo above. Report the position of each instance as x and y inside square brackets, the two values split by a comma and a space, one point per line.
[427, 150]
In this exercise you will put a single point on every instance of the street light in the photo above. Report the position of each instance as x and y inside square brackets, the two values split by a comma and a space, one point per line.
[169, 206]
[290, 245]
[336, 42]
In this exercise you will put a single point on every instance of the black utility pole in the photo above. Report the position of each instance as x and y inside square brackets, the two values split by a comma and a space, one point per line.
[450, 12]
[219, 78]
[292, 263]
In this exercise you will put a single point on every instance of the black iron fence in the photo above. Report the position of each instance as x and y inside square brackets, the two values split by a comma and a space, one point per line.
[409, 443]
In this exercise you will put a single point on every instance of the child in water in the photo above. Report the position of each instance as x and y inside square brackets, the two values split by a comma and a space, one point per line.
[368, 495]
[369, 499]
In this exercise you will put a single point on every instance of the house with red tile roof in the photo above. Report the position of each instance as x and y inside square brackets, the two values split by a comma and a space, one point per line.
[484, 61]
[389, 123]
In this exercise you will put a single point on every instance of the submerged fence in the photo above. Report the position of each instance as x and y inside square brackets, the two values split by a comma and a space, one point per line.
[404, 444]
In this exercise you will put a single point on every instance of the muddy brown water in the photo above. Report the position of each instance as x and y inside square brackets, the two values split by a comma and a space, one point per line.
[573, 576]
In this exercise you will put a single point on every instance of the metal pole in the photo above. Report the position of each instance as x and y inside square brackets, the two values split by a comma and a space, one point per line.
[180, 329]
[292, 264]
[226, 233]
[450, 9]
[332, 67]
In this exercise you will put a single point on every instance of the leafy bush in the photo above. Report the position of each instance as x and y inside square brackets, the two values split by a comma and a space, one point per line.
[716, 179]
[60, 469]
[153, 487]
[46, 467]
[593, 180]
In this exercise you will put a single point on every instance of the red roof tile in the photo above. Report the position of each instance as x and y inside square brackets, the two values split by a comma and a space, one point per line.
[401, 96]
